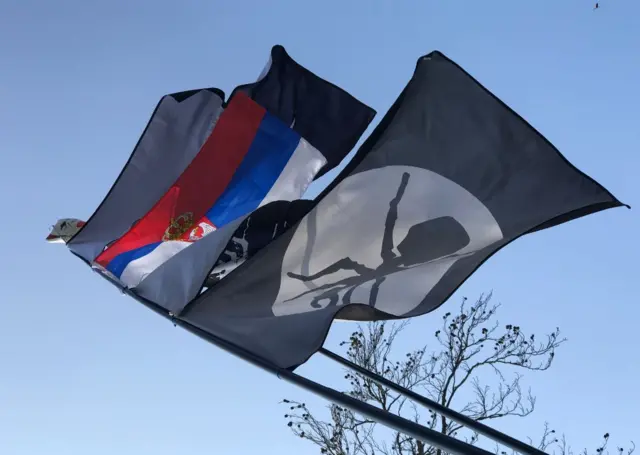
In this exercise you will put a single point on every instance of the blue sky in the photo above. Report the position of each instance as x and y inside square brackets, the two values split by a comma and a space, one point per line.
[86, 370]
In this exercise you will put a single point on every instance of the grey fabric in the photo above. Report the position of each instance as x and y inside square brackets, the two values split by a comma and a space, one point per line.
[449, 177]
[179, 279]
[176, 131]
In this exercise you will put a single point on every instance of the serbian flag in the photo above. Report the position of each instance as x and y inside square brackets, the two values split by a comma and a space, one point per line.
[250, 159]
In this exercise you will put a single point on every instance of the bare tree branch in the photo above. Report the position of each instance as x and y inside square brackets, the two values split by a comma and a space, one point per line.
[477, 370]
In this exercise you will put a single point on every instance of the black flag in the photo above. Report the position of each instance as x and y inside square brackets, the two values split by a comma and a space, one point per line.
[327, 116]
[258, 230]
[450, 176]
[324, 114]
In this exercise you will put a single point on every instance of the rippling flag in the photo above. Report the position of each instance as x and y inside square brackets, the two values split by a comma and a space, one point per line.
[328, 117]
[449, 177]
[202, 166]
[250, 159]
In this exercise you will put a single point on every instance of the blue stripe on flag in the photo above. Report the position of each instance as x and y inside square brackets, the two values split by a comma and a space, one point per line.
[121, 261]
[268, 154]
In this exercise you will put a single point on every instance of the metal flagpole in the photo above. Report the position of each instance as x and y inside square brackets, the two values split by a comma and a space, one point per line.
[417, 431]
[474, 425]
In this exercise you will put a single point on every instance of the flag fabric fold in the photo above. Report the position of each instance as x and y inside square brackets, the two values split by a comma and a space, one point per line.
[203, 166]
[327, 116]
[259, 229]
[450, 176]
[177, 129]
[250, 159]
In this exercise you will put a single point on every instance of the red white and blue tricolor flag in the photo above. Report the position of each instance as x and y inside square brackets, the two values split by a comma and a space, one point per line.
[250, 159]
[182, 205]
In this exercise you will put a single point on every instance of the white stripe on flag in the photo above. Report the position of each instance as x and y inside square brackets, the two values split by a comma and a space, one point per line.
[305, 162]
[137, 270]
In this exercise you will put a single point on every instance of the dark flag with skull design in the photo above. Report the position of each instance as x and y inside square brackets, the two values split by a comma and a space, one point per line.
[450, 176]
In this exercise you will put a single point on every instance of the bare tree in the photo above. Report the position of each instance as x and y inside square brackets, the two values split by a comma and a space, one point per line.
[469, 343]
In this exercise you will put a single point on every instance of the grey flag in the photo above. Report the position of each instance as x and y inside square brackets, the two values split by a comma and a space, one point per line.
[321, 112]
[179, 125]
[450, 176]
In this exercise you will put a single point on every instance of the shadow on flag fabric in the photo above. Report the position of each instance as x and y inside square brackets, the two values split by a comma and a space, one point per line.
[256, 231]
[200, 168]
[450, 176]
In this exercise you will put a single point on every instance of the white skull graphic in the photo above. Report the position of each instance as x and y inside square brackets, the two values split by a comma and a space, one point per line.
[352, 248]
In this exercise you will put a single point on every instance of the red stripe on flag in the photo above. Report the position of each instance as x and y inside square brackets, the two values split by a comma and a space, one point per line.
[202, 182]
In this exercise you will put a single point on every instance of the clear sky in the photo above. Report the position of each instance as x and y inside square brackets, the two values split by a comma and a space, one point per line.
[85, 370]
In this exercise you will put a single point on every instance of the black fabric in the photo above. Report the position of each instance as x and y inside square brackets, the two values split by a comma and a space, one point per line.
[449, 177]
[259, 229]
[327, 116]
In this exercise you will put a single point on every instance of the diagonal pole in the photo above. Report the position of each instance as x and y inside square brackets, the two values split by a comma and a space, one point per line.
[474, 425]
[415, 430]
[400, 424]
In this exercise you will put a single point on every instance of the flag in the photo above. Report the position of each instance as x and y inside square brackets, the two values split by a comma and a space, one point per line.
[250, 159]
[202, 165]
[324, 114]
[177, 129]
[64, 230]
[450, 176]
[256, 231]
